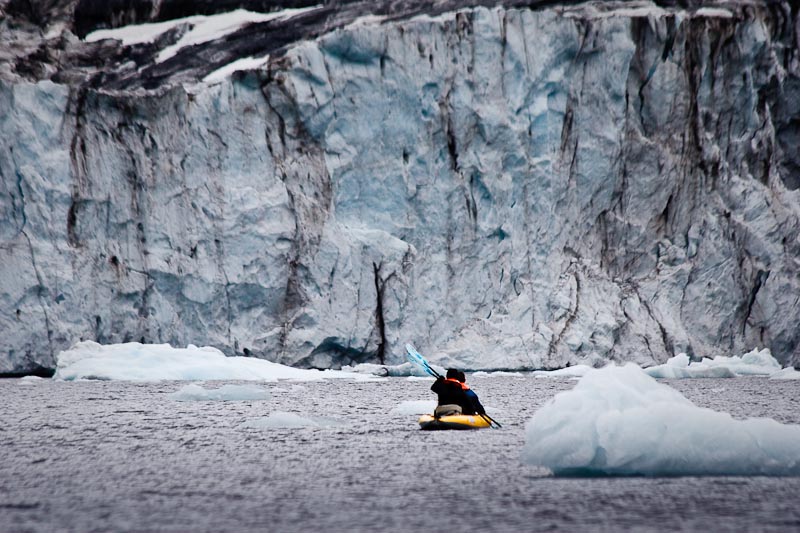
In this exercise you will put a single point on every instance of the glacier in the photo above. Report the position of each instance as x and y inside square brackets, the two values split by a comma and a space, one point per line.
[620, 421]
[508, 188]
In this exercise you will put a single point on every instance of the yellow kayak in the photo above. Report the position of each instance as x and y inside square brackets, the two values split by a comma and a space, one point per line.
[428, 422]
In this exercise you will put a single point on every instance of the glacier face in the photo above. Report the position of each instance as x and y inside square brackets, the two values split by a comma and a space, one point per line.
[504, 188]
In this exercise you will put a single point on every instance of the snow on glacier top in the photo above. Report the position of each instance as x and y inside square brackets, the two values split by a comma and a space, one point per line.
[203, 28]
[246, 63]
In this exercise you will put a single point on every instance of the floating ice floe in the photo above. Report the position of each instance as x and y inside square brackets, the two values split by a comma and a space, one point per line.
[195, 393]
[753, 363]
[575, 371]
[414, 407]
[282, 419]
[786, 373]
[153, 362]
[498, 374]
[402, 370]
[620, 421]
[30, 380]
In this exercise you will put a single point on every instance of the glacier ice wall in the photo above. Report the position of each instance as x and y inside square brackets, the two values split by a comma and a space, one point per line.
[505, 188]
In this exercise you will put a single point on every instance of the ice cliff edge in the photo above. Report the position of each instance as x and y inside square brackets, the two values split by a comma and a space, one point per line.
[521, 186]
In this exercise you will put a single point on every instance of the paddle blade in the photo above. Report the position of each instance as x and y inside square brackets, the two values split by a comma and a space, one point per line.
[415, 357]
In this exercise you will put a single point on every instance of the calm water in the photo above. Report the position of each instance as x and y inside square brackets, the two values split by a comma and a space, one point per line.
[116, 456]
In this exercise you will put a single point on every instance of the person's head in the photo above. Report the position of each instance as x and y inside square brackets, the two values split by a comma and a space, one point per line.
[462, 377]
[452, 373]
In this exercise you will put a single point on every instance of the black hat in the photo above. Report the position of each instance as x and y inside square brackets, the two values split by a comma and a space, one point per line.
[452, 373]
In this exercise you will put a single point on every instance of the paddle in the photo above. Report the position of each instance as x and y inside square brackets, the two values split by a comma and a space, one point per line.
[415, 357]
[490, 420]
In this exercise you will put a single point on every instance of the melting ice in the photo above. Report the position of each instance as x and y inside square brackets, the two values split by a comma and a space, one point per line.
[194, 393]
[621, 421]
[153, 362]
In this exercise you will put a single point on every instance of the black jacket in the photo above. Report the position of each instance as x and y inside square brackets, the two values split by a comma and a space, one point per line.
[451, 391]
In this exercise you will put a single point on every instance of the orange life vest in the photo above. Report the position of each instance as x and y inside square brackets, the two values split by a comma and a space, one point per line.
[462, 385]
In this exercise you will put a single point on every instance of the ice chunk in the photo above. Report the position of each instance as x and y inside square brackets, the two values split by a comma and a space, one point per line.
[499, 373]
[152, 362]
[402, 370]
[575, 371]
[680, 367]
[282, 419]
[193, 392]
[30, 380]
[786, 373]
[753, 363]
[414, 407]
[620, 421]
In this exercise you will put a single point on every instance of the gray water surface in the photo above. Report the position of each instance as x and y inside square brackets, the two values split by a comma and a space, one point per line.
[121, 456]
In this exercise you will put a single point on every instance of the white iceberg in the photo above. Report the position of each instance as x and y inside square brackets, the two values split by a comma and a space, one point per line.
[575, 371]
[196, 393]
[402, 370]
[620, 421]
[786, 373]
[497, 374]
[753, 363]
[282, 419]
[153, 362]
[30, 380]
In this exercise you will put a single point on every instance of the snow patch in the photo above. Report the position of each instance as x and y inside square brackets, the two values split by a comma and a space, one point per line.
[203, 28]
[620, 421]
[153, 362]
[247, 63]
[713, 12]
[194, 393]
[282, 419]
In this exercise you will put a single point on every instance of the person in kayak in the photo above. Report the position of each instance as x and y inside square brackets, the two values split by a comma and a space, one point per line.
[455, 397]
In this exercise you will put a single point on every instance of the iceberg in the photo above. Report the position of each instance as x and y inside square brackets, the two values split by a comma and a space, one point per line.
[786, 373]
[402, 370]
[30, 380]
[196, 393]
[154, 362]
[753, 363]
[621, 421]
[575, 371]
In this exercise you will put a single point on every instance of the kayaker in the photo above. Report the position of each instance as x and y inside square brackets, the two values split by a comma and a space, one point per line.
[455, 397]
[476, 407]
